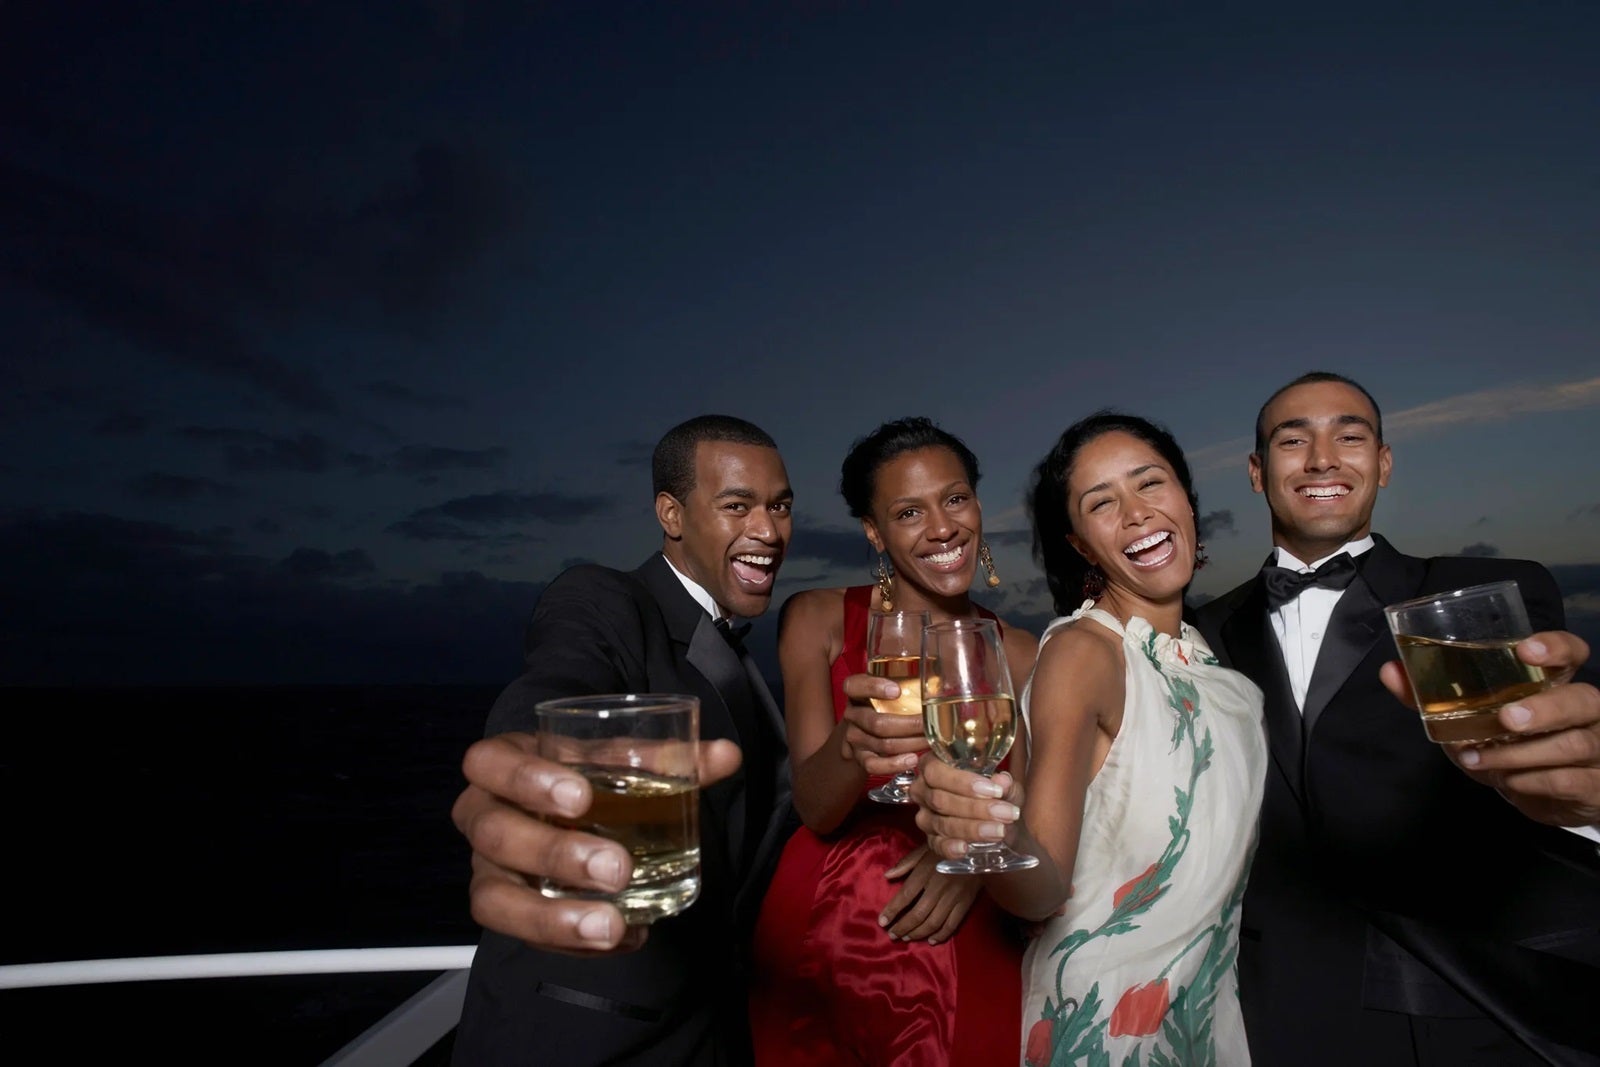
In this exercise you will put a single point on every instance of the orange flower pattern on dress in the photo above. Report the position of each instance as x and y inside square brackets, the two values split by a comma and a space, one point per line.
[1145, 882]
[1040, 1040]
[1140, 1010]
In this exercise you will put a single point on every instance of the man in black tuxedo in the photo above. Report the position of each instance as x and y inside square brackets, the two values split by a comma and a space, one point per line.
[564, 981]
[1398, 911]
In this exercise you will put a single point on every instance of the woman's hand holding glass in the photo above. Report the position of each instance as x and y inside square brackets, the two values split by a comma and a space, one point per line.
[882, 744]
[969, 713]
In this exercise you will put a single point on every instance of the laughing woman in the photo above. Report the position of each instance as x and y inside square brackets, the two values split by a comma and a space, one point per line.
[863, 951]
[1146, 764]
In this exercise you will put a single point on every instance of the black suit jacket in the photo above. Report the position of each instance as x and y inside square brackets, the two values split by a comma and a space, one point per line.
[680, 999]
[1387, 884]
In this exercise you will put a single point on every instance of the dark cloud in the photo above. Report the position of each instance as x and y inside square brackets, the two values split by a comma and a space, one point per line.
[392, 390]
[315, 563]
[1009, 537]
[181, 488]
[1216, 523]
[573, 561]
[450, 521]
[268, 526]
[1481, 520]
[181, 606]
[1478, 548]
[841, 548]
[155, 280]
[635, 453]
[121, 425]
[431, 459]
[1590, 512]
[203, 282]
[251, 450]
[1576, 579]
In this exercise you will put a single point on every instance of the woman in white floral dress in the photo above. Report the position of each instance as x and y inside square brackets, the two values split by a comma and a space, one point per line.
[1141, 776]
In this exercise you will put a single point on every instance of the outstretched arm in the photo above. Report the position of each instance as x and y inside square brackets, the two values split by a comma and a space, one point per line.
[1075, 708]
[1551, 770]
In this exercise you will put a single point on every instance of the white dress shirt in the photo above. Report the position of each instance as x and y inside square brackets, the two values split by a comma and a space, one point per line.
[1301, 623]
[698, 591]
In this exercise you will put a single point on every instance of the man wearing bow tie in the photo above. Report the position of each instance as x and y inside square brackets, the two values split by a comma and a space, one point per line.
[1399, 910]
[564, 982]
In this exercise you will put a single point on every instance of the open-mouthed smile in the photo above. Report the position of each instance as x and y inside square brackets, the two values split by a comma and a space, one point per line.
[1151, 551]
[755, 571]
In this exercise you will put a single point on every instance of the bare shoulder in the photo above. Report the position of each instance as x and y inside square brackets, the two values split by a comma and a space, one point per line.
[1083, 658]
[812, 617]
[1022, 648]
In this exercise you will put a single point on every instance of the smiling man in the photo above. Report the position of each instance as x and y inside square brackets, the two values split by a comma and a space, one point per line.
[564, 982]
[1399, 910]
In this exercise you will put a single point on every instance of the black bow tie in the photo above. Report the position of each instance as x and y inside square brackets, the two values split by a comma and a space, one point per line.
[734, 635]
[1283, 584]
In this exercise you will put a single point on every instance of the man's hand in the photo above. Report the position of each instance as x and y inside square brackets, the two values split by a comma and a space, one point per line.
[1551, 770]
[957, 807]
[882, 744]
[509, 788]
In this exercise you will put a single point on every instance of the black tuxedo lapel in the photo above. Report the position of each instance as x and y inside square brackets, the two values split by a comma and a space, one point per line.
[706, 650]
[1254, 650]
[1357, 624]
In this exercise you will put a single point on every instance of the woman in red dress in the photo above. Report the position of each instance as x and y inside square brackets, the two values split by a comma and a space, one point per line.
[864, 954]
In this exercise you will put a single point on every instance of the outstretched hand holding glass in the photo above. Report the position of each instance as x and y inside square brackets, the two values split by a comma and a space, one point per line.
[969, 714]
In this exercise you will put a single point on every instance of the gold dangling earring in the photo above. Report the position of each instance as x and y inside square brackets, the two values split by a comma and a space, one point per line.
[885, 586]
[985, 558]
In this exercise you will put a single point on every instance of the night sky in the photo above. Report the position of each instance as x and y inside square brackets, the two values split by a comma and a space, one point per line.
[332, 331]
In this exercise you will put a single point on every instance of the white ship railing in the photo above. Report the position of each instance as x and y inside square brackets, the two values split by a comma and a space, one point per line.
[400, 1037]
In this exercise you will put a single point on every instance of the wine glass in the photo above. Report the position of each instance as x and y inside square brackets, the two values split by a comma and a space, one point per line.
[894, 651]
[969, 714]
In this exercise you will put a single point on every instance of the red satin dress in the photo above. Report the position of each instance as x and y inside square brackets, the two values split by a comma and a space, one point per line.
[830, 988]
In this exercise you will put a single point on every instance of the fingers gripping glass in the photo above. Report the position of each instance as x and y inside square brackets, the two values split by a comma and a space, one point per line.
[969, 714]
[894, 651]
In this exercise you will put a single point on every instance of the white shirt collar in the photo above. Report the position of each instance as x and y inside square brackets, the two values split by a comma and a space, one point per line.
[1355, 548]
[698, 591]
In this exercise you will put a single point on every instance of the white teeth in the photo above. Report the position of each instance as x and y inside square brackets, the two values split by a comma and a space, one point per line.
[759, 561]
[944, 557]
[1146, 542]
[1325, 492]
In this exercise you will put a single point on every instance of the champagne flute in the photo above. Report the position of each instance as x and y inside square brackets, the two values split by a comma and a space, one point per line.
[969, 714]
[894, 651]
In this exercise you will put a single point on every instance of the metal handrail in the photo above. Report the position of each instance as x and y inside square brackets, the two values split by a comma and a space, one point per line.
[398, 1038]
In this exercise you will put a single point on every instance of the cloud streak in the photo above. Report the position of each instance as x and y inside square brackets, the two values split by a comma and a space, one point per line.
[1487, 405]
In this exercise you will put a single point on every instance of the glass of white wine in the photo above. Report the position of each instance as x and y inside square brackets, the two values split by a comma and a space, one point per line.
[894, 651]
[969, 712]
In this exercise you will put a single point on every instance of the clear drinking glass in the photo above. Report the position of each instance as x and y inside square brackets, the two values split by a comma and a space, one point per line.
[970, 716]
[894, 651]
[1459, 651]
[638, 752]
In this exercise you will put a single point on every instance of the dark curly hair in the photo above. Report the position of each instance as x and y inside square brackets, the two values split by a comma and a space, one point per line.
[1064, 568]
[858, 476]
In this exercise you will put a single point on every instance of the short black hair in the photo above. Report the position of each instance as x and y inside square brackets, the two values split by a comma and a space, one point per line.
[1311, 378]
[672, 462]
[1064, 568]
[858, 477]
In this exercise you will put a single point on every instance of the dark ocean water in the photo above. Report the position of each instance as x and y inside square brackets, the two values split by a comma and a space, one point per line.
[161, 821]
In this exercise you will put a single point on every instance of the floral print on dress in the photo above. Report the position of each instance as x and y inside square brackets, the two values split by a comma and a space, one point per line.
[1165, 1017]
